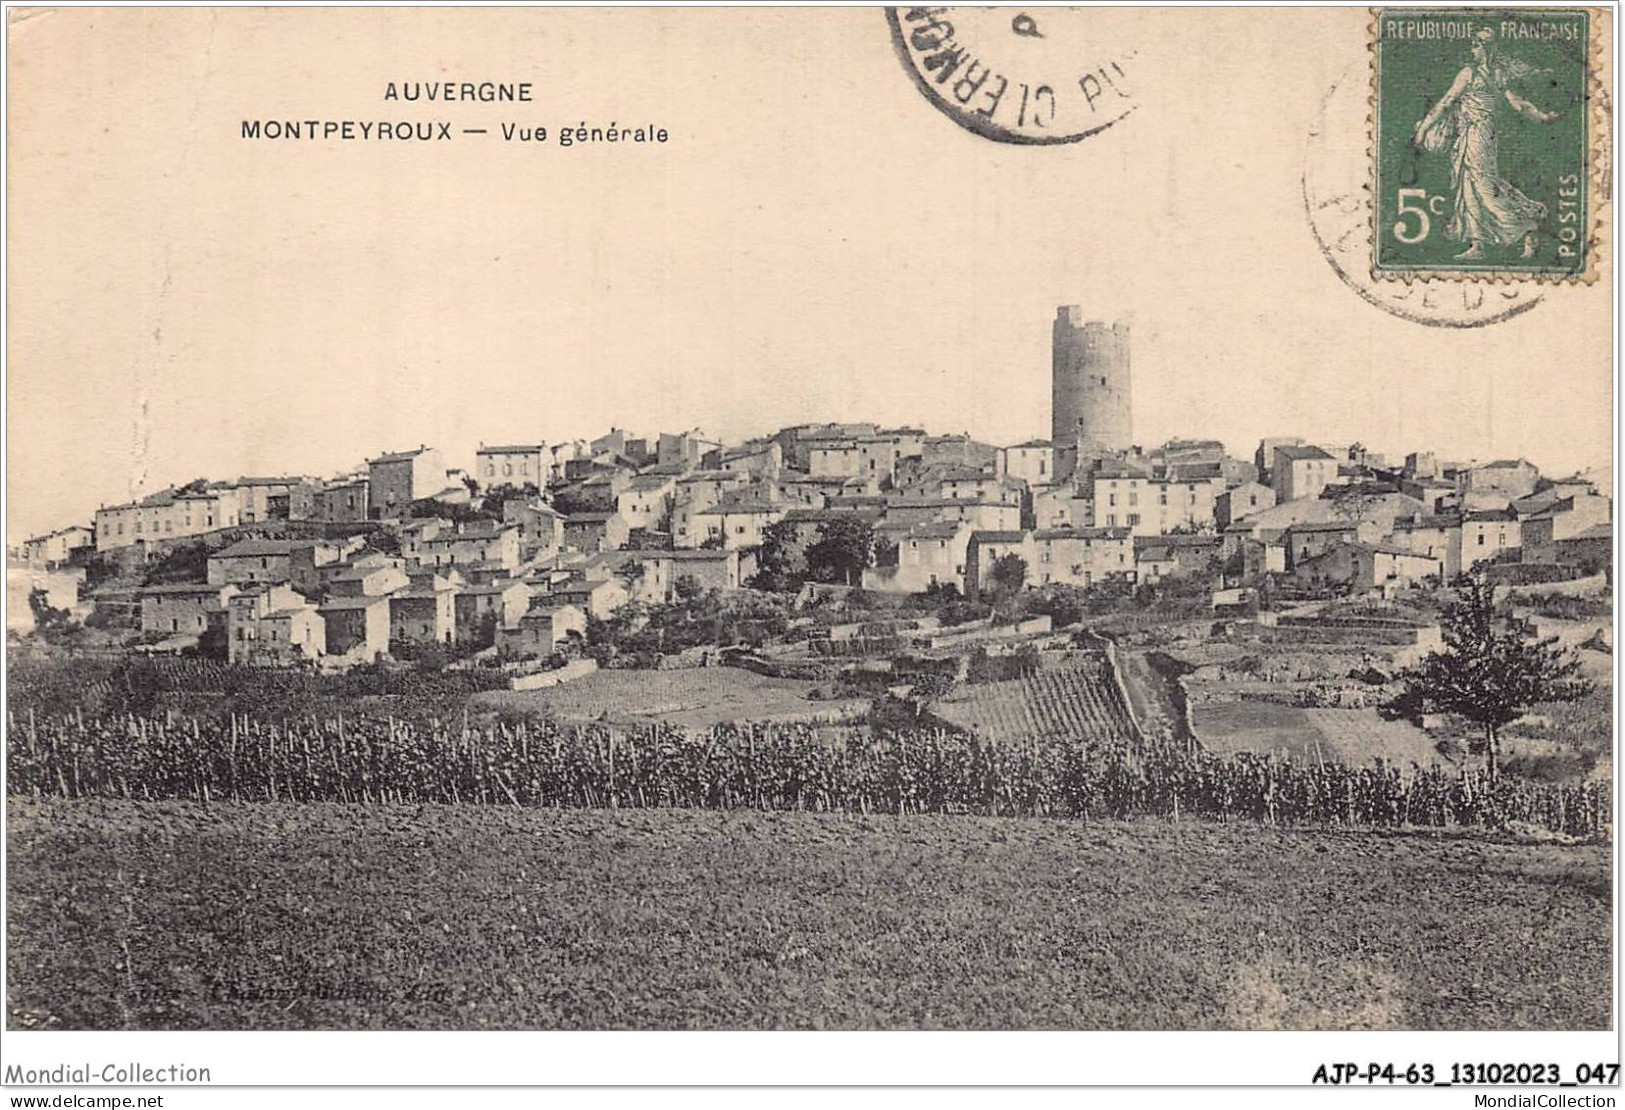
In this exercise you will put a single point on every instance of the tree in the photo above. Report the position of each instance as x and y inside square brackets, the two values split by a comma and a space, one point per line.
[773, 558]
[46, 615]
[1491, 671]
[930, 687]
[631, 573]
[212, 643]
[491, 503]
[1008, 574]
[570, 500]
[1061, 602]
[187, 562]
[384, 541]
[845, 548]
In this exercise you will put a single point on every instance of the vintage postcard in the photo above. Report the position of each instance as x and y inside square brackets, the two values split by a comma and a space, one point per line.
[545, 521]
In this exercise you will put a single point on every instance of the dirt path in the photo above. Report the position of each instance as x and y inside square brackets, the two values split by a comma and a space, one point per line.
[1152, 697]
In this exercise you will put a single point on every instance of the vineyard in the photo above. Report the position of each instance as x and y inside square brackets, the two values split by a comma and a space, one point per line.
[118, 685]
[761, 767]
[1077, 703]
[695, 697]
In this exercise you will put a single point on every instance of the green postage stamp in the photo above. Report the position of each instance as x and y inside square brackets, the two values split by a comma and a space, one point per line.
[1481, 143]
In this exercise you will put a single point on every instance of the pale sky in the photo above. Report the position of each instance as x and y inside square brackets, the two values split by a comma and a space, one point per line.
[815, 242]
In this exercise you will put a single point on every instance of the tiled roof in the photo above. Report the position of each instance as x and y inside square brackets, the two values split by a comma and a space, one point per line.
[934, 531]
[399, 456]
[1324, 526]
[1305, 452]
[179, 589]
[1082, 533]
[334, 604]
[244, 549]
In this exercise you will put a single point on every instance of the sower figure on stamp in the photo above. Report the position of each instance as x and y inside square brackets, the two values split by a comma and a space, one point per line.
[1488, 211]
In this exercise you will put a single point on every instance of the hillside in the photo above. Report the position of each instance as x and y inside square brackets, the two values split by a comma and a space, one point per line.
[331, 916]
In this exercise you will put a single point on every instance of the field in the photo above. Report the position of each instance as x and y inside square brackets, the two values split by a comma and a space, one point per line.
[1354, 737]
[1075, 702]
[174, 915]
[695, 697]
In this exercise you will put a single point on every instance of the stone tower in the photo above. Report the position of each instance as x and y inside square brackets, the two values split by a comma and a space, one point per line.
[1089, 403]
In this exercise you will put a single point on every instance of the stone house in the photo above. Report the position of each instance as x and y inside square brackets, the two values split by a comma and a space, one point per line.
[184, 607]
[424, 612]
[543, 630]
[397, 479]
[342, 502]
[292, 561]
[516, 465]
[1301, 472]
[596, 531]
[480, 611]
[273, 625]
[357, 626]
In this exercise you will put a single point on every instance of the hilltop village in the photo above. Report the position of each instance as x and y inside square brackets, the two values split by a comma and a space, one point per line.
[515, 557]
